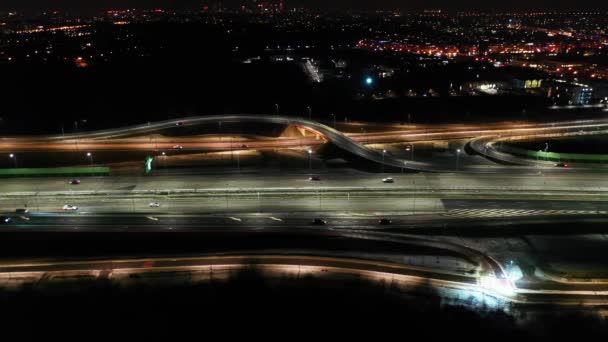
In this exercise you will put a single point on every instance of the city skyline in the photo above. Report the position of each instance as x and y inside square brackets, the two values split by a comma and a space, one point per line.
[36, 5]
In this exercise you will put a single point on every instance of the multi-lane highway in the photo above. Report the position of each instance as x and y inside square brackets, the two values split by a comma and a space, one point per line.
[130, 138]
[351, 202]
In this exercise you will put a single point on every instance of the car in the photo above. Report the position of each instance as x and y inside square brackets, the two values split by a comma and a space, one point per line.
[319, 222]
[388, 180]
[22, 210]
[315, 178]
[179, 123]
[244, 146]
[178, 147]
[75, 181]
[70, 207]
[5, 220]
[384, 221]
[562, 165]
[154, 205]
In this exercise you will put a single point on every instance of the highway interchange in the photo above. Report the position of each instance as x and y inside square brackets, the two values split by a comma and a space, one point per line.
[351, 202]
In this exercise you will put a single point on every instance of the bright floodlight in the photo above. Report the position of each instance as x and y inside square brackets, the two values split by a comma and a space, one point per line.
[383, 151]
[11, 155]
[309, 151]
[369, 81]
[458, 150]
[88, 154]
[164, 154]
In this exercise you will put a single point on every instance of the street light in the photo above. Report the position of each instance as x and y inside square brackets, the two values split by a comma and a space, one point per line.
[383, 153]
[458, 159]
[334, 115]
[410, 148]
[310, 159]
[90, 155]
[276, 105]
[309, 113]
[14, 158]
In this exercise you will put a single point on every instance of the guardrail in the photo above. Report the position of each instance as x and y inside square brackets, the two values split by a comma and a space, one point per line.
[58, 172]
[554, 156]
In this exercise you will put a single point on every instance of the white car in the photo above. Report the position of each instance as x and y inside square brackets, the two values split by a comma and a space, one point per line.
[388, 180]
[70, 207]
[154, 205]
[178, 147]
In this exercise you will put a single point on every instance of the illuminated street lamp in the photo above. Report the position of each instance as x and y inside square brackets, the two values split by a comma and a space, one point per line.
[310, 159]
[383, 153]
[410, 148]
[14, 158]
[309, 112]
[334, 115]
[276, 105]
[458, 159]
[90, 155]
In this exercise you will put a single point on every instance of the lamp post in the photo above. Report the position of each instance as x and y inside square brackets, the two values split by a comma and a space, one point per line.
[383, 153]
[458, 159]
[410, 148]
[14, 158]
[310, 159]
[90, 155]
[309, 113]
[334, 115]
[276, 105]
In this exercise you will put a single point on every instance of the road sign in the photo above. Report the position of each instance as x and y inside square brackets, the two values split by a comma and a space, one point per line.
[149, 164]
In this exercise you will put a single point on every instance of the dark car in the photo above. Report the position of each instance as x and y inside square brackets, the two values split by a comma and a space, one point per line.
[75, 181]
[179, 123]
[384, 221]
[5, 220]
[319, 222]
[244, 146]
[562, 165]
[315, 178]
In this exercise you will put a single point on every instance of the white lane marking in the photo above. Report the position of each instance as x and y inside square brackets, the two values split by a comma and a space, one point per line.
[152, 218]
[236, 219]
[275, 219]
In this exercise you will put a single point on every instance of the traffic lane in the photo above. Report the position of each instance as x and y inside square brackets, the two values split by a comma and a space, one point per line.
[218, 203]
[407, 224]
[355, 203]
[579, 180]
[507, 204]
[97, 222]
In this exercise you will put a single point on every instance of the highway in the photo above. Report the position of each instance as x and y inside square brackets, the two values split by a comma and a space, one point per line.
[265, 203]
[353, 143]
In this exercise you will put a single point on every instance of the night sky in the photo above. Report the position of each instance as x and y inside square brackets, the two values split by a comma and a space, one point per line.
[404, 4]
